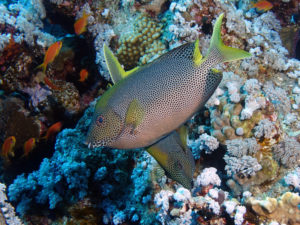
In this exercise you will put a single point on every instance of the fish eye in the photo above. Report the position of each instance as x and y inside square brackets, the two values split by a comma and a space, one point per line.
[100, 120]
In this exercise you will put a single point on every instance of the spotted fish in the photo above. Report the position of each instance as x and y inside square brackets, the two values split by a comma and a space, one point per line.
[149, 102]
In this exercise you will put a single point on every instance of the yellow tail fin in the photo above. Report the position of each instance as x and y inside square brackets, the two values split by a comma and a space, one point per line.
[217, 46]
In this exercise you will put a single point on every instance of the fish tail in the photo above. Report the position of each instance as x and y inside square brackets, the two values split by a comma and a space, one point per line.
[43, 66]
[220, 52]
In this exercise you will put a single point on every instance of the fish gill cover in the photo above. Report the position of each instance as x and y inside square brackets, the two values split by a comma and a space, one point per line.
[245, 141]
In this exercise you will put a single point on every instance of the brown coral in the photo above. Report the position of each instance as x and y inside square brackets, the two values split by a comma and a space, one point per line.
[141, 44]
[225, 120]
[283, 209]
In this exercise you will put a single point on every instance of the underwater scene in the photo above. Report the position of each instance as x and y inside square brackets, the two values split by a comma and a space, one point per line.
[171, 112]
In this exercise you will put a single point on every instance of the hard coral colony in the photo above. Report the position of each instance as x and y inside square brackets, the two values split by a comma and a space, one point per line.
[207, 142]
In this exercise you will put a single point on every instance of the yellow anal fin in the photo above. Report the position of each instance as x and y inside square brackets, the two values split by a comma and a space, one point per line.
[116, 71]
[197, 57]
[175, 158]
[134, 114]
[160, 155]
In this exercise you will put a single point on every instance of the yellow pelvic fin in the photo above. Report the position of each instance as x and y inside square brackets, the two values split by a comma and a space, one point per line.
[227, 53]
[197, 57]
[116, 71]
[134, 114]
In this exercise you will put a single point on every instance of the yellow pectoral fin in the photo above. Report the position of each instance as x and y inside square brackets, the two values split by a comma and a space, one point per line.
[134, 114]
[197, 57]
[116, 71]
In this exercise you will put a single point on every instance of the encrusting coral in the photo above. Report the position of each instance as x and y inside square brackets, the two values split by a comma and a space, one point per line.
[284, 209]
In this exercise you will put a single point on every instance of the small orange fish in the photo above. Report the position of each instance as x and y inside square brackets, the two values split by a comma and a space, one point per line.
[52, 130]
[50, 55]
[50, 84]
[262, 5]
[80, 24]
[83, 75]
[29, 145]
[8, 146]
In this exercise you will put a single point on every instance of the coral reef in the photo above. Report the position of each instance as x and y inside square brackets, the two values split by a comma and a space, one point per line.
[246, 140]
[65, 178]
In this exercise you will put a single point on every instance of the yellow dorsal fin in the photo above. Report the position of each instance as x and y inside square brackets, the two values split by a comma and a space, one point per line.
[134, 114]
[197, 57]
[116, 71]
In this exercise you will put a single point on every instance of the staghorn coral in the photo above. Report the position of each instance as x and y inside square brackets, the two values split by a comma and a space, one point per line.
[142, 43]
[283, 209]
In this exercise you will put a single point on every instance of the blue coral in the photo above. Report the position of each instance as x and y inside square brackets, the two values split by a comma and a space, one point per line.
[65, 178]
